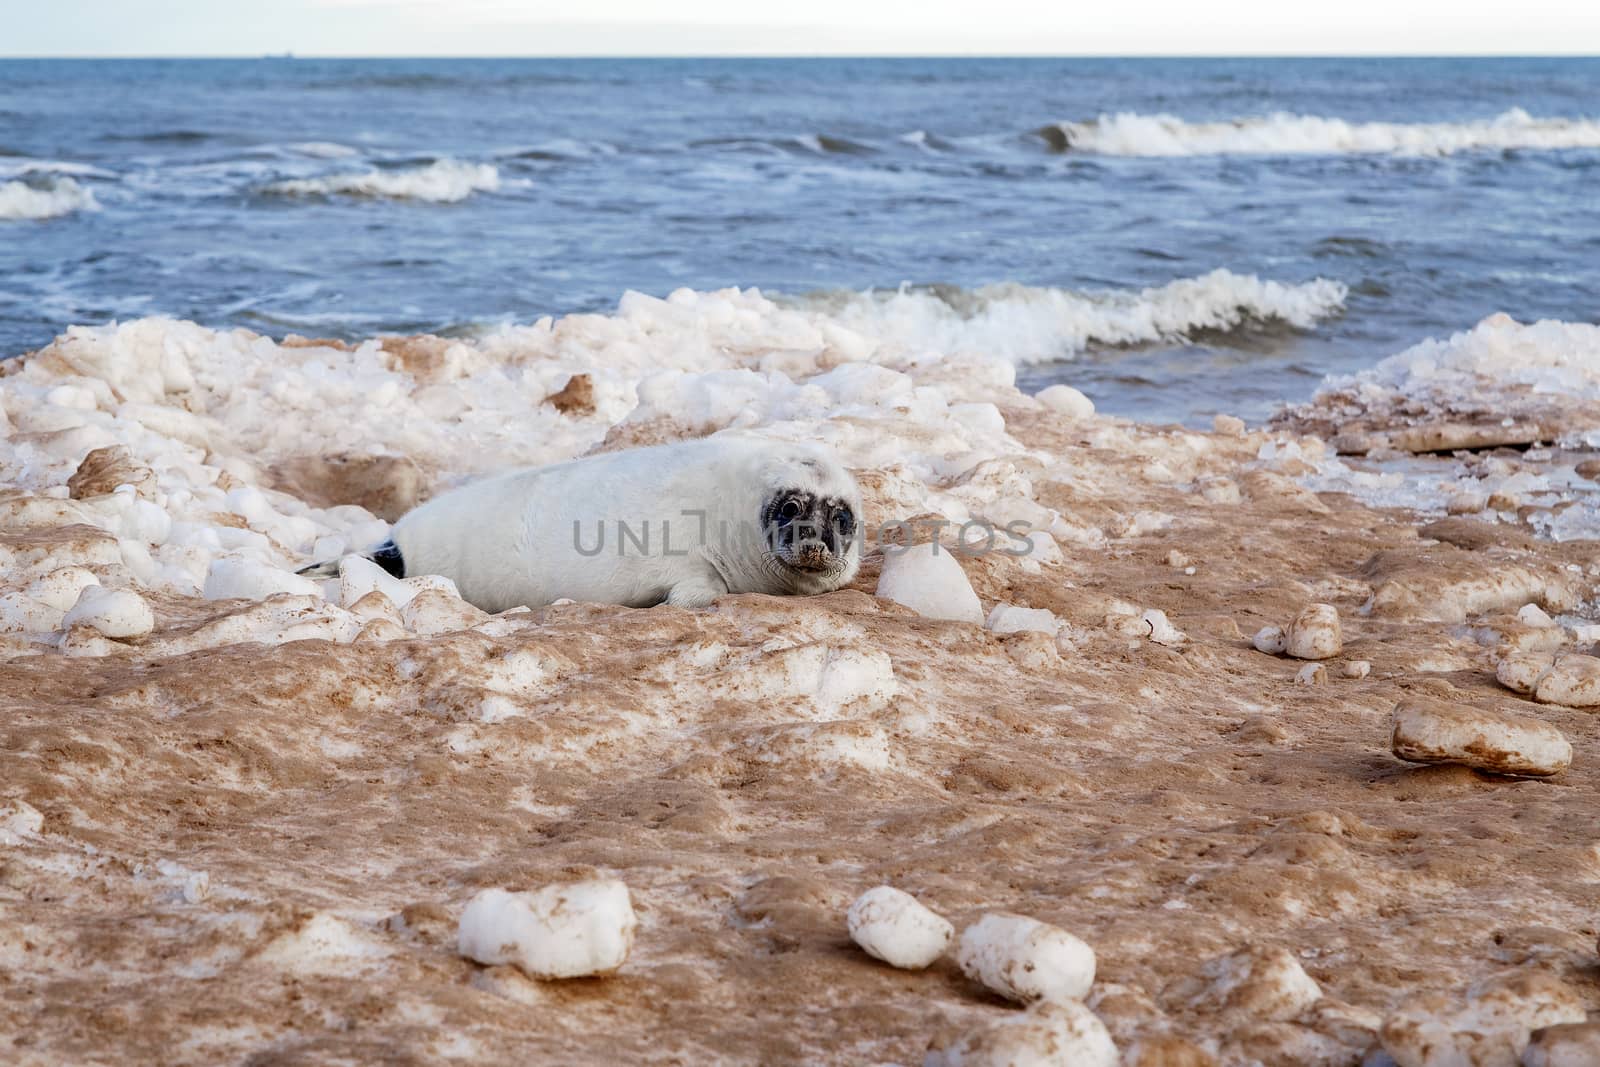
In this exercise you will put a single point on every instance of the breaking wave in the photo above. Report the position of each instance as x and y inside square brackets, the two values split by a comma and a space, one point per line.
[1028, 324]
[61, 196]
[1132, 134]
[444, 181]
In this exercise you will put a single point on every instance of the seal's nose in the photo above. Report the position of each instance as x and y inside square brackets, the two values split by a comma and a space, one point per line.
[812, 552]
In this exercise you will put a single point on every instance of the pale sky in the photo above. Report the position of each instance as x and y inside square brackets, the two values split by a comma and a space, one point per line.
[795, 27]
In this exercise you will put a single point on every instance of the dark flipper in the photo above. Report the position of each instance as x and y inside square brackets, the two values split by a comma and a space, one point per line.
[386, 555]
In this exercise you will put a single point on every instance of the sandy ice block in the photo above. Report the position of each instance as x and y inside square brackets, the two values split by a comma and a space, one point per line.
[560, 931]
[61, 587]
[18, 820]
[1521, 672]
[1051, 1034]
[1065, 400]
[1025, 959]
[1160, 628]
[238, 579]
[1255, 983]
[929, 580]
[1431, 731]
[1315, 633]
[359, 576]
[1564, 1045]
[113, 612]
[1573, 681]
[20, 613]
[1271, 640]
[1312, 674]
[1491, 1026]
[893, 926]
[433, 611]
[1011, 619]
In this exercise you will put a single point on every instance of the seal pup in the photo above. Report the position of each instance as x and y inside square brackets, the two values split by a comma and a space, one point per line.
[679, 524]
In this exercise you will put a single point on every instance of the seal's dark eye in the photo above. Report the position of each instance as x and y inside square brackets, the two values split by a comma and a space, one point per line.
[844, 521]
[789, 509]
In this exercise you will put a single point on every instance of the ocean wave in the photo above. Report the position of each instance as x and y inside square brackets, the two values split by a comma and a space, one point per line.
[1028, 324]
[444, 181]
[1132, 134]
[165, 137]
[828, 144]
[562, 148]
[321, 149]
[23, 166]
[61, 196]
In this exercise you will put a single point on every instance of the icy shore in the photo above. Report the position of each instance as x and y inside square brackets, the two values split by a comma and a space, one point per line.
[244, 812]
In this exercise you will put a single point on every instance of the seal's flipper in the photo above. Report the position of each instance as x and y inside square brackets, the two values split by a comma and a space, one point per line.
[386, 555]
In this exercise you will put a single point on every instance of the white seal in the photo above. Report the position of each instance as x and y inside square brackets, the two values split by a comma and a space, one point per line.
[680, 524]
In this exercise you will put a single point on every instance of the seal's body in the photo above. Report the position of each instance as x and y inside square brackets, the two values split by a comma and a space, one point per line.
[679, 524]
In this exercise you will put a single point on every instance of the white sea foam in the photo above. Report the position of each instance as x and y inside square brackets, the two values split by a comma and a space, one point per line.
[1028, 324]
[444, 181]
[1282, 133]
[60, 196]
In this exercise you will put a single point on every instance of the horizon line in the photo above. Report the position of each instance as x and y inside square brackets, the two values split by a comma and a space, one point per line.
[292, 54]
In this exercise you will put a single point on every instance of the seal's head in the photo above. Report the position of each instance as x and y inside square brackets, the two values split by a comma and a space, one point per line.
[811, 521]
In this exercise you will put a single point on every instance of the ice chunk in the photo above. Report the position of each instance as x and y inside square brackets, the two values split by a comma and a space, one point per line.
[1010, 619]
[1491, 1024]
[238, 579]
[18, 820]
[1065, 400]
[891, 925]
[433, 611]
[1025, 959]
[929, 580]
[1432, 731]
[1574, 680]
[1050, 1034]
[1255, 983]
[61, 587]
[1271, 640]
[113, 612]
[359, 576]
[1161, 630]
[20, 613]
[1315, 633]
[560, 931]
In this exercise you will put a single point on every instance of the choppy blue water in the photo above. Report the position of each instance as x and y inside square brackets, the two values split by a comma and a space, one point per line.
[574, 180]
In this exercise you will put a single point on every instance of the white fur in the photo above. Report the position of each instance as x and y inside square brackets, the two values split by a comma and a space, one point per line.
[509, 540]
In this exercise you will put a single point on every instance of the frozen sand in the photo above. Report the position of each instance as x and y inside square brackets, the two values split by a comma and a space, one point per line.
[255, 829]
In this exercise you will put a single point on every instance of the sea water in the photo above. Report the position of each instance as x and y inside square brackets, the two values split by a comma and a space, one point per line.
[1174, 237]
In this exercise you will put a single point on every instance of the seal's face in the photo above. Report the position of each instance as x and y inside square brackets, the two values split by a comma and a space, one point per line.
[812, 536]
[810, 521]
[810, 533]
